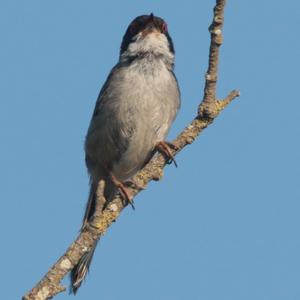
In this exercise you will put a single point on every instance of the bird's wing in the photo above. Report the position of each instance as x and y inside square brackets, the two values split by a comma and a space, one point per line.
[103, 141]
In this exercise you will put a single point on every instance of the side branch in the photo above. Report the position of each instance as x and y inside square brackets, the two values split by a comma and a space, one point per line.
[208, 110]
[207, 106]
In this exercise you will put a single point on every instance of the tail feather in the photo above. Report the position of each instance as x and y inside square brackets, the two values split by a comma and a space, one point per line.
[81, 269]
[90, 206]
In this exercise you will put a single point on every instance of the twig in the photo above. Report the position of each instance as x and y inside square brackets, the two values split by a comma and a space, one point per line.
[208, 110]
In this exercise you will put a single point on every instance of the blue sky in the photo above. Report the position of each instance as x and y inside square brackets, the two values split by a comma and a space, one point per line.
[225, 224]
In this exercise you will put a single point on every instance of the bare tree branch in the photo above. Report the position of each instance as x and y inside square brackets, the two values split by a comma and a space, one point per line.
[208, 110]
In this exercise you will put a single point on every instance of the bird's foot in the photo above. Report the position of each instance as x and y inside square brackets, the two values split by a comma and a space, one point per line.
[123, 190]
[165, 147]
[133, 184]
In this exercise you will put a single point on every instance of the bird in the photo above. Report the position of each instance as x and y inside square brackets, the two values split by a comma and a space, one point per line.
[133, 114]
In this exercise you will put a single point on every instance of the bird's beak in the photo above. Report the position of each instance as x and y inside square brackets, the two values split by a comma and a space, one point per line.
[151, 28]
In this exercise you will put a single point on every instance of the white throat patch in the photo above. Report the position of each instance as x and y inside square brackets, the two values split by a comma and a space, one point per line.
[154, 43]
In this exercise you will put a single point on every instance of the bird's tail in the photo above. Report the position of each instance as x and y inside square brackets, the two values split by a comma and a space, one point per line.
[80, 270]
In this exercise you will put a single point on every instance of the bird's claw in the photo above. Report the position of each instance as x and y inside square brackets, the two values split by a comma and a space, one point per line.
[133, 184]
[164, 147]
[123, 190]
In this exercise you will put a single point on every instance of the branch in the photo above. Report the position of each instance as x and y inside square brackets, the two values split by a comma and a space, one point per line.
[208, 110]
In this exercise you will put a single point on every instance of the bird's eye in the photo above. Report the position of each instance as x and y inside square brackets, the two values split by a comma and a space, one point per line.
[164, 27]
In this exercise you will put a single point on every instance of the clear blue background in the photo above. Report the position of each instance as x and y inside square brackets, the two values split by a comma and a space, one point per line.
[225, 224]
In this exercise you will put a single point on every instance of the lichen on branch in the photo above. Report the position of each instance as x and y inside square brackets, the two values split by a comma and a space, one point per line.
[209, 108]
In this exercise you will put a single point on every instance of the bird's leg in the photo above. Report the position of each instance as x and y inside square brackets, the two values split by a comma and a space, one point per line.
[164, 147]
[123, 190]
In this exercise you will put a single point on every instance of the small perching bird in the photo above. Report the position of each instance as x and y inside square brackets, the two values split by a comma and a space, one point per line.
[133, 114]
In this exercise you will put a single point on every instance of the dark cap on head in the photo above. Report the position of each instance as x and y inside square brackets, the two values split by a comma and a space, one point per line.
[142, 23]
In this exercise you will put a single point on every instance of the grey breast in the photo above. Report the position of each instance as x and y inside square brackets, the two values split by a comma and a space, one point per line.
[135, 110]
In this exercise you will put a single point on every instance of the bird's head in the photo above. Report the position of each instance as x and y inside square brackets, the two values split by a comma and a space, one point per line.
[147, 34]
